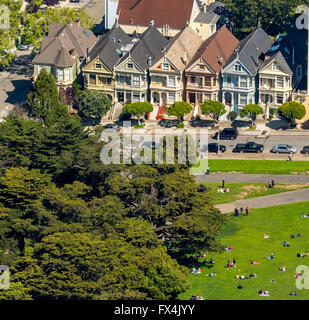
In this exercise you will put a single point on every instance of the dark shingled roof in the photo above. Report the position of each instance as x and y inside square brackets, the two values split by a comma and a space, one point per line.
[61, 39]
[107, 45]
[150, 44]
[207, 17]
[251, 50]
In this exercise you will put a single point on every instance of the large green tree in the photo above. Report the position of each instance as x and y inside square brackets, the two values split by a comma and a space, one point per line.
[138, 109]
[292, 110]
[214, 109]
[179, 109]
[93, 103]
[251, 111]
[131, 265]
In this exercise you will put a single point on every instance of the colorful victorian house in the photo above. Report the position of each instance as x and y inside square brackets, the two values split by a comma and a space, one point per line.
[202, 75]
[275, 81]
[63, 51]
[240, 73]
[131, 72]
[98, 72]
[167, 71]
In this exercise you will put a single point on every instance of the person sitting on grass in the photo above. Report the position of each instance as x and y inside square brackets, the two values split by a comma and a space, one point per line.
[282, 268]
[266, 236]
[293, 293]
[285, 244]
[272, 281]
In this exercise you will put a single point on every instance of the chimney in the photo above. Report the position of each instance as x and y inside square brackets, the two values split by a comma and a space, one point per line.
[73, 53]
[87, 55]
[205, 7]
[293, 56]
[185, 58]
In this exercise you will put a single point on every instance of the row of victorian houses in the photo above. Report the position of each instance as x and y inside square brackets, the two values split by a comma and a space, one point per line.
[151, 66]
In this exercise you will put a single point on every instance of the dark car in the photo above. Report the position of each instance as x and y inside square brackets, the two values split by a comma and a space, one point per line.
[227, 134]
[249, 147]
[305, 150]
[213, 147]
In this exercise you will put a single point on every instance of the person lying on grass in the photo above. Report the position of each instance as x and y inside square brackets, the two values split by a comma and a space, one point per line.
[293, 293]
[285, 244]
[299, 275]
[254, 262]
[282, 268]
[305, 216]
[293, 236]
[266, 236]
[302, 255]
[271, 257]
[264, 293]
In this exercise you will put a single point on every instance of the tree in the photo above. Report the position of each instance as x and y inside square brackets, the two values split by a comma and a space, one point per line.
[83, 266]
[19, 187]
[179, 109]
[292, 110]
[44, 100]
[275, 16]
[214, 109]
[138, 109]
[93, 103]
[251, 111]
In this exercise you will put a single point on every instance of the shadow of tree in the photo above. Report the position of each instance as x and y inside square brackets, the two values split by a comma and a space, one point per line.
[305, 125]
[19, 94]
[202, 123]
[280, 124]
[241, 123]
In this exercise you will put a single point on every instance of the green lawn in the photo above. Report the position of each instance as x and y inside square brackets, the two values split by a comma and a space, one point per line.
[254, 166]
[240, 191]
[245, 235]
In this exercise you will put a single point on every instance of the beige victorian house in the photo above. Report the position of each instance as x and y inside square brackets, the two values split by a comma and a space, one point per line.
[275, 81]
[167, 72]
[63, 51]
[98, 72]
[131, 72]
[202, 75]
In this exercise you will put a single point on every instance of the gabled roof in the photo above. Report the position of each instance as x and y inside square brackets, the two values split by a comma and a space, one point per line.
[278, 57]
[108, 45]
[220, 45]
[150, 45]
[207, 17]
[175, 13]
[61, 39]
[187, 40]
[251, 50]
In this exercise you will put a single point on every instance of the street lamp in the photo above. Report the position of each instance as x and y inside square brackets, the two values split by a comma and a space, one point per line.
[218, 136]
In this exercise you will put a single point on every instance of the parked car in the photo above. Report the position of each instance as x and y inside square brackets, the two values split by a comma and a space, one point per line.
[249, 147]
[283, 148]
[227, 134]
[111, 126]
[305, 150]
[213, 147]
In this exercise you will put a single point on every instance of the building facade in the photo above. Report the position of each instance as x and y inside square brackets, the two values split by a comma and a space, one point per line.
[240, 73]
[202, 75]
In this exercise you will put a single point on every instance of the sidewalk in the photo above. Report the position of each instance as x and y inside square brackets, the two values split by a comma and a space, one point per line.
[253, 178]
[266, 201]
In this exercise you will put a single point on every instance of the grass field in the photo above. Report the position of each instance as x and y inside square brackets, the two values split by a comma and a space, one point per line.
[254, 166]
[245, 235]
[240, 191]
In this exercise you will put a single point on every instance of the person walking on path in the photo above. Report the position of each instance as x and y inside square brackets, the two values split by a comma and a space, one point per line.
[290, 157]
[272, 183]
[223, 183]
[207, 170]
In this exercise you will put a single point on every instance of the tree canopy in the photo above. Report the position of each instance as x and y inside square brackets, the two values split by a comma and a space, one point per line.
[251, 111]
[214, 109]
[138, 109]
[292, 110]
[179, 109]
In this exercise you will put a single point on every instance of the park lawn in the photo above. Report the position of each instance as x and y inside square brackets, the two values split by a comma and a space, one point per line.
[240, 191]
[253, 166]
[245, 235]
